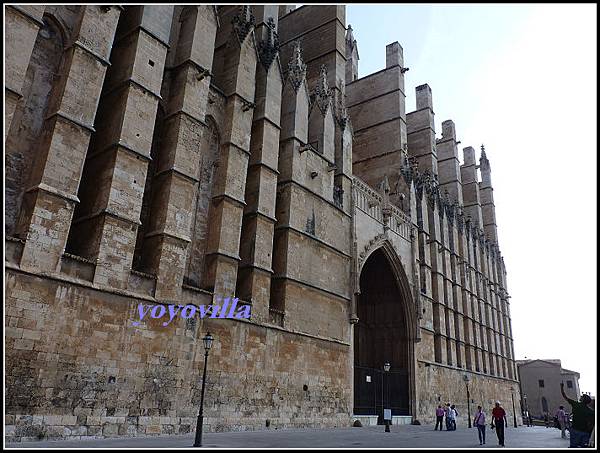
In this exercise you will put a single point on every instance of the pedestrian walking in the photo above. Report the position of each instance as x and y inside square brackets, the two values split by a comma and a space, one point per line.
[583, 419]
[453, 415]
[562, 421]
[499, 422]
[479, 422]
[439, 417]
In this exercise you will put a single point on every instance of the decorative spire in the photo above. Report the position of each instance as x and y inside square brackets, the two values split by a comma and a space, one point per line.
[350, 42]
[322, 93]
[484, 163]
[243, 22]
[267, 49]
[296, 67]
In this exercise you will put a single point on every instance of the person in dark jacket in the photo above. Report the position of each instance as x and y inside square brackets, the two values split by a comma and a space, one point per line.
[583, 419]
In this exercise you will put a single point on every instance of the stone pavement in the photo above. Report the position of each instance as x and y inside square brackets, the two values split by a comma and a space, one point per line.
[406, 436]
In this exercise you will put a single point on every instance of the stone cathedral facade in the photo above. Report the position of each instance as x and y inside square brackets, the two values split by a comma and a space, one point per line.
[182, 154]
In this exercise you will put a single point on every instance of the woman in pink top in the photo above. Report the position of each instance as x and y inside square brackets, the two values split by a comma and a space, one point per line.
[479, 421]
[439, 417]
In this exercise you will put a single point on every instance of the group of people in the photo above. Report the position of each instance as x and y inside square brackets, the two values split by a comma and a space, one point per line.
[498, 421]
[581, 429]
[449, 413]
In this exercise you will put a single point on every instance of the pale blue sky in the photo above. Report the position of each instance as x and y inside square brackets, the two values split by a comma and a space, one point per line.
[522, 80]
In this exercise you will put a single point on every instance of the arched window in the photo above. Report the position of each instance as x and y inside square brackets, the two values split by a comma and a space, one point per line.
[209, 161]
[26, 127]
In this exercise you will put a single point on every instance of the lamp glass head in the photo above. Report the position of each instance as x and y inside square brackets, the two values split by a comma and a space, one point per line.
[208, 341]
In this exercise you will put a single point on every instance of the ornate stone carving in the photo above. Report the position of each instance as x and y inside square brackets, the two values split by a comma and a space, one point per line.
[338, 196]
[481, 236]
[468, 227]
[296, 68]
[450, 209]
[267, 49]
[409, 168]
[386, 208]
[460, 219]
[371, 245]
[340, 111]
[243, 23]
[321, 94]
[311, 224]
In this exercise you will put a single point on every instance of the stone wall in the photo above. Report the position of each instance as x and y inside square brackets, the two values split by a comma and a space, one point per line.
[442, 384]
[76, 367]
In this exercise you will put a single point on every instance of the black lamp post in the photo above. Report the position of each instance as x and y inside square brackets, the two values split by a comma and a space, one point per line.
[207, 340]
[466, 378]
[386, 368]
[512, 397]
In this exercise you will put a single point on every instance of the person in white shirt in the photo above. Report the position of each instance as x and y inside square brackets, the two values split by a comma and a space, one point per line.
[452, 414]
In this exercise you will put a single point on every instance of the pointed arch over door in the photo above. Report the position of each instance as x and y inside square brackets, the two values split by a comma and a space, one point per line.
[384, 333]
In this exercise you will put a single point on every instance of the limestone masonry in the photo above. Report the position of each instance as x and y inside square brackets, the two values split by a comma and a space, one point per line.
[167, 154]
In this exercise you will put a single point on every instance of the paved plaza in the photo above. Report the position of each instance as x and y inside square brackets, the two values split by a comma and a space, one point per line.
[406, 436]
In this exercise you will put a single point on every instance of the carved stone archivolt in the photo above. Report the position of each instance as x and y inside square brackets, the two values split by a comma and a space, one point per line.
[372, 245]
[413, 307]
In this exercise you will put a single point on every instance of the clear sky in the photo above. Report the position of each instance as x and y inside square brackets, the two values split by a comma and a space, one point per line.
[520, 79]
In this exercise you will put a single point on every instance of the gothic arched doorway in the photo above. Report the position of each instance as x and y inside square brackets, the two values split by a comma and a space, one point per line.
[381, 335]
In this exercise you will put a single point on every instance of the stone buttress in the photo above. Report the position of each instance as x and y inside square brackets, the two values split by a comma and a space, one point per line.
[51, 194]
[106, 221]
[256, 249]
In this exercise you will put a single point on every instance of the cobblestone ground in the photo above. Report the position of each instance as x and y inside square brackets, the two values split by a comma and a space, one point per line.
[365, 437]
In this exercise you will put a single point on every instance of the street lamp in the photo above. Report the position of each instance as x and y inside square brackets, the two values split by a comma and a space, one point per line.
[207, 340]
[466, 378]
[512, 397]
[386, 368]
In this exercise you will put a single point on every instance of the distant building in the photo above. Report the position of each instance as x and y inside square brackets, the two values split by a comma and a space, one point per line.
[540, 386]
